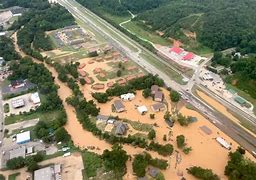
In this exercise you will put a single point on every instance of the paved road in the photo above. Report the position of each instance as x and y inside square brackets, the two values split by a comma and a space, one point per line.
[22, 125]
[133, 50]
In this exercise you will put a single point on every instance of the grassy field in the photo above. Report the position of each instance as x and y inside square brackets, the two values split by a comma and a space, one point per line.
[47, 116]
[170, 72]
[139, 126]
[139, 31]
[92, 162]
[116, 19]
[13, 176]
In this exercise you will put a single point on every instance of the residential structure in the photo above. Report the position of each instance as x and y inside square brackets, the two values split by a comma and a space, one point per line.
[102, 118]
[48, 173]
[158, 107]
[127, 97]
[158, 96]
[118, 105]
[154, 89]
[121, 128]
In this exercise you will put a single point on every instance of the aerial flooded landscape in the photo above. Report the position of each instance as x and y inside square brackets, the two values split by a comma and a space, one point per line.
[127, 89]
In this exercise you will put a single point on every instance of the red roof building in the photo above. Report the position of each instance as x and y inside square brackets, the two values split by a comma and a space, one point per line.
[189, 56]
[176, 50]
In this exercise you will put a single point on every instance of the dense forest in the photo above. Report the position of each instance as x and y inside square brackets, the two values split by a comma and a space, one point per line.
[218, 24]
[7, 50]
[39, 18]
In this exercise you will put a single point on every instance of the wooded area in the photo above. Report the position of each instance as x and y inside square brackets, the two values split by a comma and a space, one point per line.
[7, 50]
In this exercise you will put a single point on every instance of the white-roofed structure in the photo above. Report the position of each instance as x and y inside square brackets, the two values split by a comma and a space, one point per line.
[223, 143]
[22, 138]
[17, 103]
[35, 98]
[127, 97]
[142, 109]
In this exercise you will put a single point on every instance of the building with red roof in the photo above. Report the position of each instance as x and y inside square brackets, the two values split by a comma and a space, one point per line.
[176, 50]
[189, 56]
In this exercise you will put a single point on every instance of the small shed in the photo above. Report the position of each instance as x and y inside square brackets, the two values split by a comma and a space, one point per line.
[22, 138]
[169, 122]
[142, 109]
[158, 107]
[102, 118]
[119, 107]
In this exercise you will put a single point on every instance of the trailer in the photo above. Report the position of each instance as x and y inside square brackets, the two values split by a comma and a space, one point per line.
[223, 143]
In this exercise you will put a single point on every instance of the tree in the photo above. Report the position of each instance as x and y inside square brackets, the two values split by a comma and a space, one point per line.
[146, 93]
[100, 97]
[180, 141]
[201, 173]
[115, 159]
[187, 150]
[184, 121]
[2, 177]
[165, 137]
[119, 73]
[151, 134]
[82, 81]
[175, 96]
[167, 115]
[62, 135]
[139, 165]
[15, 163]
[31, 164]
[152, 116]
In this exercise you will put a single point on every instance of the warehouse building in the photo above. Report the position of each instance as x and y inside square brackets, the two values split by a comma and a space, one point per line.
[22, 138]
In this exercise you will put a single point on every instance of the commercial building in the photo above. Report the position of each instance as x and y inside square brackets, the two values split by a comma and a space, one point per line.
[18, 152]
[35, 98]
[17, 103]
[22, 138]
[48, 173]
[118, 105]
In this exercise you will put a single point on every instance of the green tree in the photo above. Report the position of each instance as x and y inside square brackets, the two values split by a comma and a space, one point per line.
[152, 134]
[165, 137]
[175, 96]
[82, 81]
[146, 93]
[187, 150]
[201, 173]
[180, 141]
[152, 116]
[139, 165]
[62, 135]
[119, 73]
[115, 159]
[2, 177]
[15, 163]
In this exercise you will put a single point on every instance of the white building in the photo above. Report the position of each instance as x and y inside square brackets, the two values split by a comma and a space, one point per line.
[17, 103]
[142, 109]
[223, 143]
[22, 138]
[35, 98]
[127, 97]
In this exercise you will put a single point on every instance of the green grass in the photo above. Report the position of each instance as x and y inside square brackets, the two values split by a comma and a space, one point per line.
[139, 126]
[46, 116]
[16, 131]
[92, 162]
[139, 31]
[13, 176]
[6, 108]
[170, 72]
[116, 19]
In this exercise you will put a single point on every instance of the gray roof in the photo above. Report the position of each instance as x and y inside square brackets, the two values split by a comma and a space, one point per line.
[48, 173]
[153, 171]
[158, 95]
[158, 106]
[18, 152]
[118, 105]
[121, 128]
[102, 117]
[154, 88]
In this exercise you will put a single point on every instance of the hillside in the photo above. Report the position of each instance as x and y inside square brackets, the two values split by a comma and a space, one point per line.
[216, 24]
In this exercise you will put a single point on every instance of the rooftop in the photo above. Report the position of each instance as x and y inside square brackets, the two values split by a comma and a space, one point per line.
[118, 104]
[23, 137]
[176, 50]
[18, 152]
[188, 56]
[48, 173]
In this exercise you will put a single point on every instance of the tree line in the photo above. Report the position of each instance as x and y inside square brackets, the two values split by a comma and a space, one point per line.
[7, 50]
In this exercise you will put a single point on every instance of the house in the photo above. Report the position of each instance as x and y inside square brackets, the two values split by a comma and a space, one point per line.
[17, 11]
[48, 173]
[158, 107]
[154, 89]
[127, 97]
[22, 138]
[111, 121]
[158, 96]
[118, 105]
[153, 172]
[17, 103]
[35, 98]
[102, 118]
[121, 128]
[142, 109]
